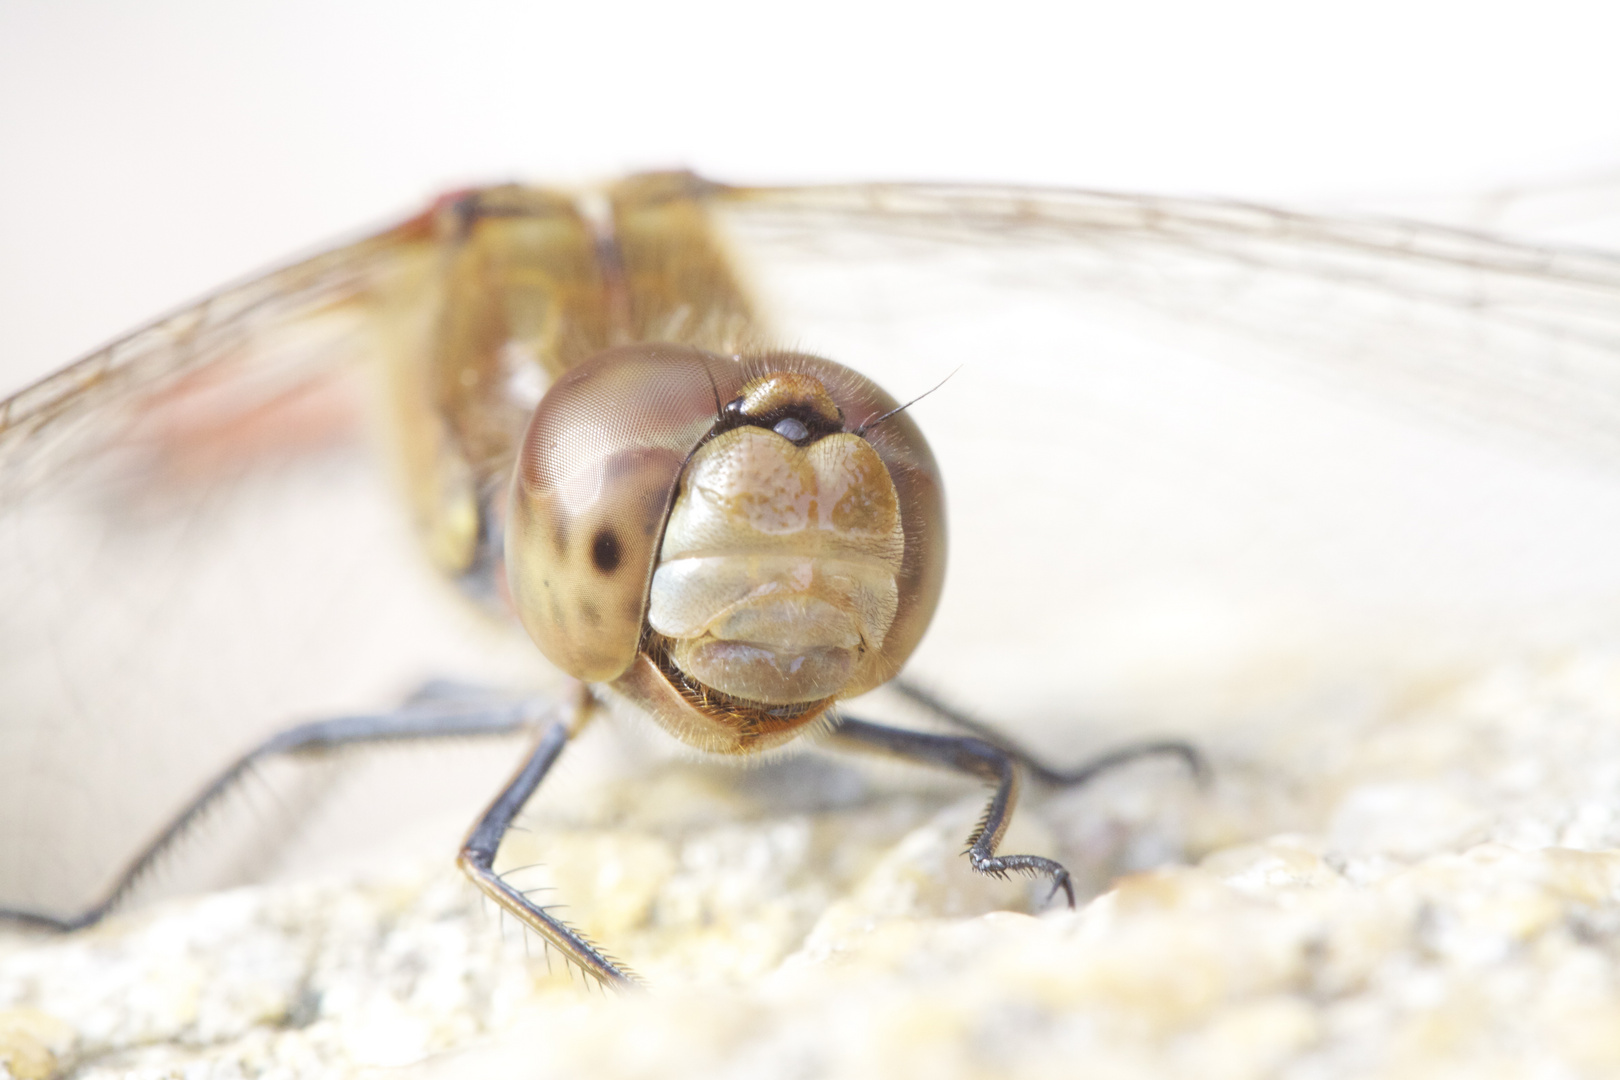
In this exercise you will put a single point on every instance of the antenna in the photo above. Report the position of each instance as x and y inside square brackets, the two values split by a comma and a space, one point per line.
[870, 424]
[719, 410]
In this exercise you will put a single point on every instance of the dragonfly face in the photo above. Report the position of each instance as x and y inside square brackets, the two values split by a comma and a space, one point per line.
[1204, 459]
[729, 552]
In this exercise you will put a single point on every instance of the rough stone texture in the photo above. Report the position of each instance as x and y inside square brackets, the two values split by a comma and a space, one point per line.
[1423, 885]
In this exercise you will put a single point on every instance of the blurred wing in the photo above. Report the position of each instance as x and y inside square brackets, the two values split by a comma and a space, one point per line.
[1206, 459]
[1580, 210]
[1466, 325]
[198, 545]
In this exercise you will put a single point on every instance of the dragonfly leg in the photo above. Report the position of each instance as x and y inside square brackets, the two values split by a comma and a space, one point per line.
[976, 757]
[477, 861]
[440, 710]
[1050, 774]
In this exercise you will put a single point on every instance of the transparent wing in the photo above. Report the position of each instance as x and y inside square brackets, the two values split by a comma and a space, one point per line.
[1207, 459]
[1459, 323]
[1581, 210]
[1202, 461]
[199, 544]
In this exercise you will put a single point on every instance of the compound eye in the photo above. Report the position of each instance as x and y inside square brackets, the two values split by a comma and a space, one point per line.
[792, 429]
[594, 480]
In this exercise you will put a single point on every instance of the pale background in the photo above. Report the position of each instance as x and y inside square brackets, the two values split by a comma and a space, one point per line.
[152, 151]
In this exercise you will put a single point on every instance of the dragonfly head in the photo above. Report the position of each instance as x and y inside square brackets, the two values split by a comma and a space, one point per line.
[721, 541]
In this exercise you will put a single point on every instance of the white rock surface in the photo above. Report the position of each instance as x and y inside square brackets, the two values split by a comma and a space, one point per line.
[1425, 885]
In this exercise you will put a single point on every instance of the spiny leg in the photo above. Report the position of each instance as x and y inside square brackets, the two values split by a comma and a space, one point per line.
[439, 710]
[477, 860]
[1048, 774]
[976, 757]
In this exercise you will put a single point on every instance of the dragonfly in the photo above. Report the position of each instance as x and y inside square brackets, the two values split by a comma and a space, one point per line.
[1205, 459]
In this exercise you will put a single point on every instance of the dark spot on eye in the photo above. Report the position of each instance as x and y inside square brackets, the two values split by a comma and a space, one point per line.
[605, 551]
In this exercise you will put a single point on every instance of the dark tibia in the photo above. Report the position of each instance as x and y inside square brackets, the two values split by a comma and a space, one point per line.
[477, 860]
[1043, 772]
[439, 711]
[976, 757]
